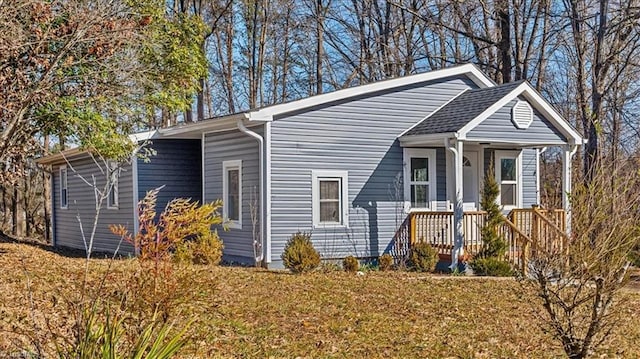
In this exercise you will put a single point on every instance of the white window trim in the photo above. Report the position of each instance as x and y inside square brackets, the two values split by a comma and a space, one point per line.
[113, 177]
[499, 155]
[433, 190]
[226, 166]
[66, 174]
[316, 176]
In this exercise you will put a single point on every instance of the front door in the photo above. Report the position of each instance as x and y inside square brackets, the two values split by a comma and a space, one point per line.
[470, 181]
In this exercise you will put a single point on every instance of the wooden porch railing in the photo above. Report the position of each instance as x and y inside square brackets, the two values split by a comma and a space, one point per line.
[527, 231]
[438, 229]
[518, 245]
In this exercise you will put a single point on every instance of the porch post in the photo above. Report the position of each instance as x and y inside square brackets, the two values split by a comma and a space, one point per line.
[458, 212]
[569, 151]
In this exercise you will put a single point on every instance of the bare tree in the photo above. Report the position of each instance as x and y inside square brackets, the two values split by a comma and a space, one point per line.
[605, 40]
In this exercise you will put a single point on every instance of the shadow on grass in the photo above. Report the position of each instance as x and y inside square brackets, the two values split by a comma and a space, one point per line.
[62, 251]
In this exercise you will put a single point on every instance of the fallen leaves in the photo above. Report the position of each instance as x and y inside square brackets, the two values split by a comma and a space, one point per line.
[249, 312]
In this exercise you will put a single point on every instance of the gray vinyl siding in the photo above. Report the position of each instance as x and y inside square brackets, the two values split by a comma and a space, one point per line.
[81, 202]
[229, 146]
[529, 175]
[499, 127]
[359, 136]
[177, 166]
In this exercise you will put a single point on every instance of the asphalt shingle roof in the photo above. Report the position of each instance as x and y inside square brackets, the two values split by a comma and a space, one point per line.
[462, 110]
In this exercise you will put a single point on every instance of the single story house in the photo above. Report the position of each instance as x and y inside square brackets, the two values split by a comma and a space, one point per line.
[348, 166]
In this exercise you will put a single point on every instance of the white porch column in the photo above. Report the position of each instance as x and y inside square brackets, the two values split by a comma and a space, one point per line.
[458, 211]
[569, 151]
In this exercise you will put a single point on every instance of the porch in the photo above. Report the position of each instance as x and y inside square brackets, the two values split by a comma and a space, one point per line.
[525, 231]
[501, 130]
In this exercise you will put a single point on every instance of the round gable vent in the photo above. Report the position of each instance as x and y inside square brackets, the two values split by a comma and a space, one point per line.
[522, 114]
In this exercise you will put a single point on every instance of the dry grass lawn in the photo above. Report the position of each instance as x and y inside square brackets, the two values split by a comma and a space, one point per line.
[246, 312]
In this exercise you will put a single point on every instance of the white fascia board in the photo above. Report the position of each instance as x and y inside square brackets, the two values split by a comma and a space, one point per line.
[517, 143]
[216, 124]
[143, 136]
[435, 138]
[548, 111]
[538, 103]
[470, 70]
[61, 157]
[462, 133]
[434, 111]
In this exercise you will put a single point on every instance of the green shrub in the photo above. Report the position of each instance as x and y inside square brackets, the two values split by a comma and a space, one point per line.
[205, 249]
[493, 243]
[350, 264]
[299, 256]
[491, 266]
[385, 262]
[160, 235]
[423, 257]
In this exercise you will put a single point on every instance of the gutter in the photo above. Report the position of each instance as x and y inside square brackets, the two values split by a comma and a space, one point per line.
[260, 139]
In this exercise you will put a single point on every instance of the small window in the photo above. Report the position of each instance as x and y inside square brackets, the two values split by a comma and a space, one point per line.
[232, 196]
[420, 186]
[507, 178]
[330, 198]
[420, 193]
[112, 198]
[64, 193]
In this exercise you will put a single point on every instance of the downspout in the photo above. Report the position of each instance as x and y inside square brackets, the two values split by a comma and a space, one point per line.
[260, 140]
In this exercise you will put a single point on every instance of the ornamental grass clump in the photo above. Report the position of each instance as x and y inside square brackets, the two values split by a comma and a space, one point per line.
[299, 255]
[350, 264]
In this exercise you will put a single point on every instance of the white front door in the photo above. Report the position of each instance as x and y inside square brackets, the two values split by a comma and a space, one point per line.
[470, 181]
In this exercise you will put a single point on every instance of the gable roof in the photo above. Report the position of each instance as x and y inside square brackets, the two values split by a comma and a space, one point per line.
[458, 112]
[469, 70]
[266, 114]
[466, 111]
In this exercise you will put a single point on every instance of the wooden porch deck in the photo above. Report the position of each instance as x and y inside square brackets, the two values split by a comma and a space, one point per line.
[526, 231]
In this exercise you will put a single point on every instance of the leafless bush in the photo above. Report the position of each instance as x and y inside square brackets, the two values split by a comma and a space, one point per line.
[578, 283]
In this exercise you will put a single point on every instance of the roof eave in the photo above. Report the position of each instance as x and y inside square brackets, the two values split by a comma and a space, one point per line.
[469, 70]
[60, 157]
[217, 124]
[572, 136]
[422, 139]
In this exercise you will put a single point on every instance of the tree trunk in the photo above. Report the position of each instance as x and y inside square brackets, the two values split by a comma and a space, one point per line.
[201, 100]
[504, 45]
[14, 212]
[319, 44]
[46, 193]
